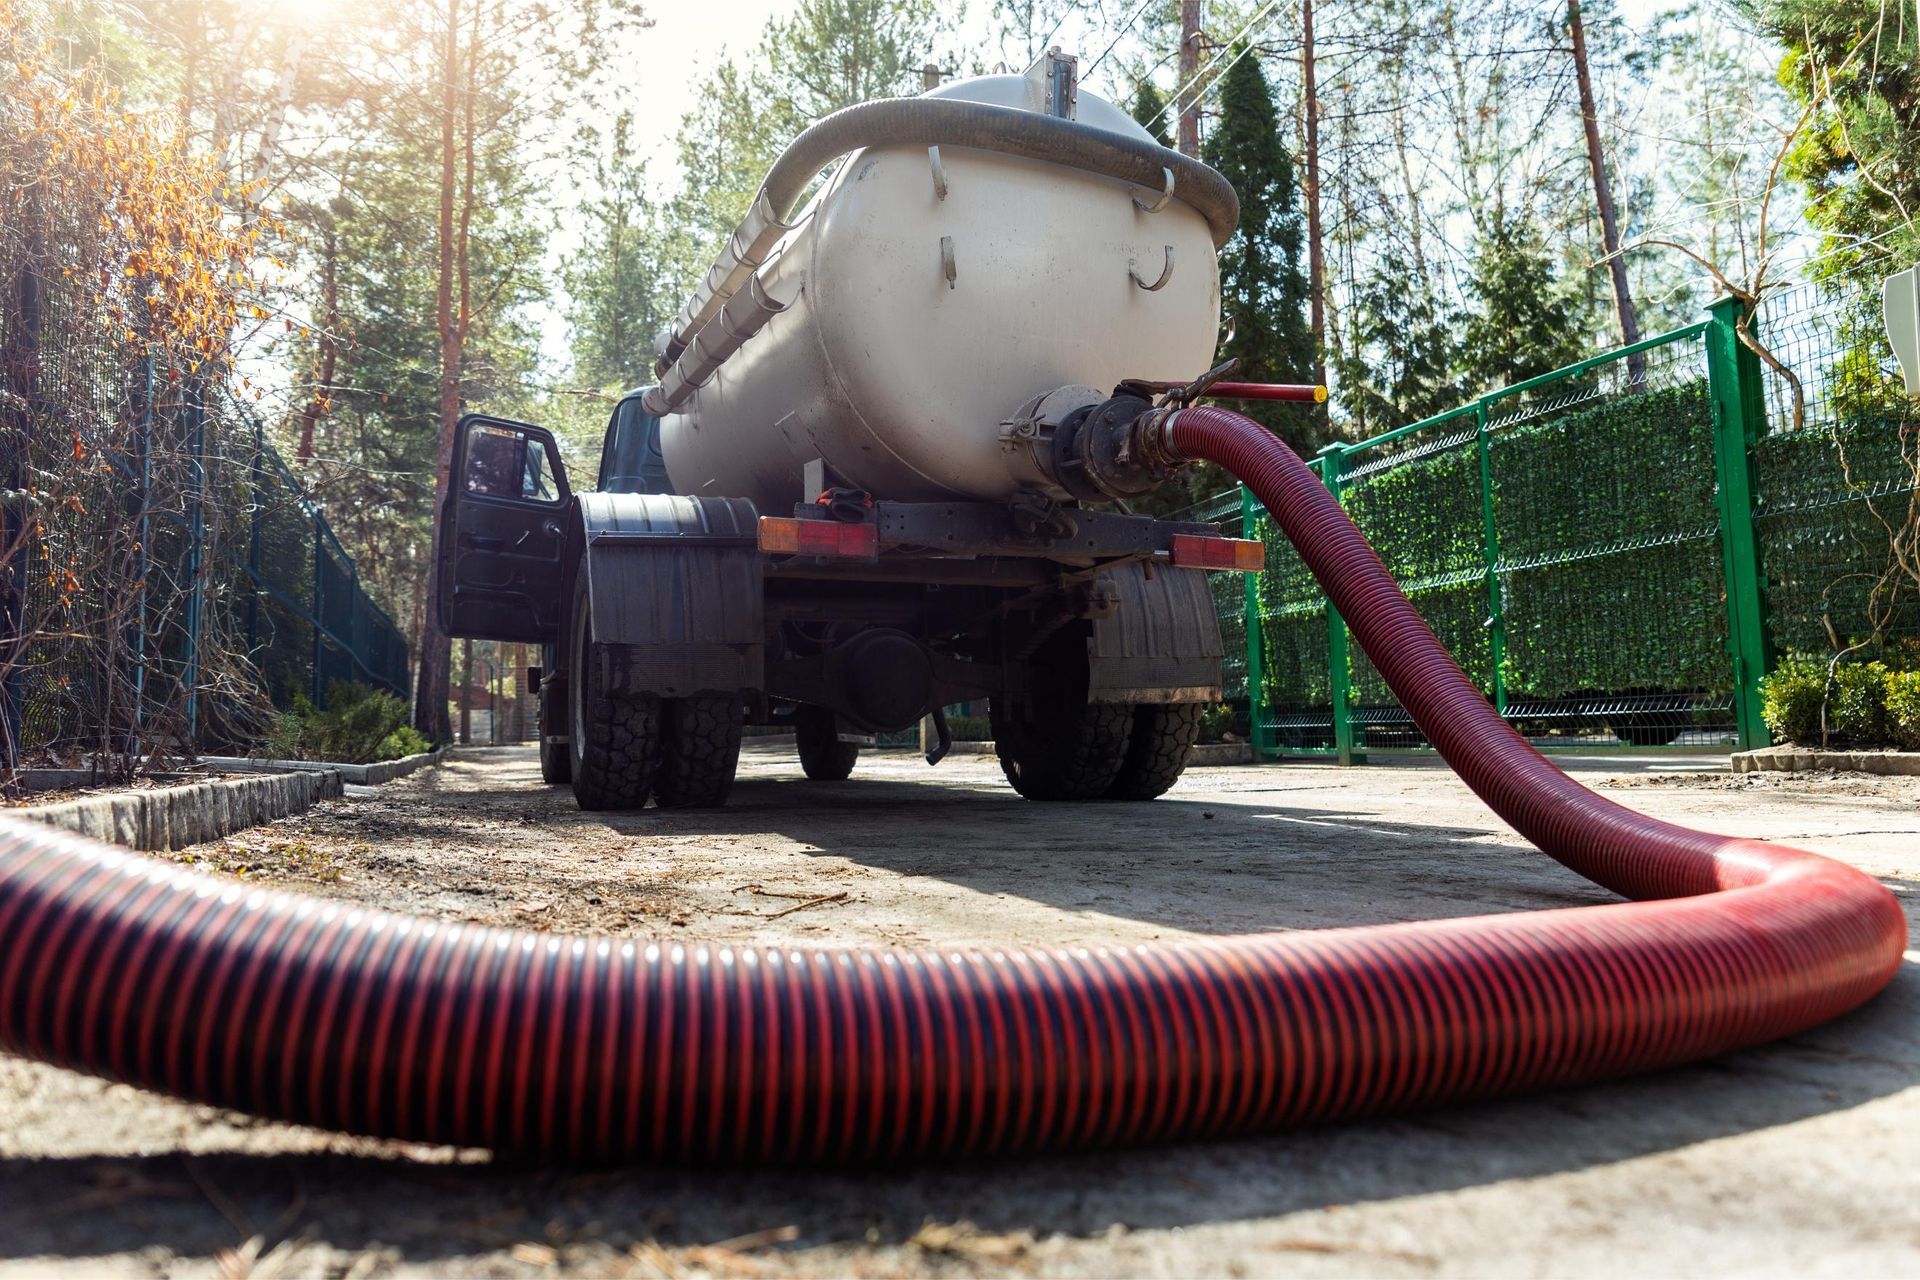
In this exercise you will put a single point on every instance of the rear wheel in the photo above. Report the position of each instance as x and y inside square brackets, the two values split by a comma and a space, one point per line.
[556, 767]
[1157, 751]
[1057, 745]
[613, 735]
[699, 751]
[823, 756]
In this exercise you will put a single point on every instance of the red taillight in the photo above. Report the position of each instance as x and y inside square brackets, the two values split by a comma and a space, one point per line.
[1241, 555]
[785, 537]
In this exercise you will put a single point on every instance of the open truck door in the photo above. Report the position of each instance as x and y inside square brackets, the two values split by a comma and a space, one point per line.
[502, 537]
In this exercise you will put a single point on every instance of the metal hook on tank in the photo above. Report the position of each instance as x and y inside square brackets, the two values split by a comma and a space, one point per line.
[939, 173]
[1166, 274]
[947, 267]
[1166, 194]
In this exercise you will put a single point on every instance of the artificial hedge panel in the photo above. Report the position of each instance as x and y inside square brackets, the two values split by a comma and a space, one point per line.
[1293, 626]
[1609, 555]
[1816, 536]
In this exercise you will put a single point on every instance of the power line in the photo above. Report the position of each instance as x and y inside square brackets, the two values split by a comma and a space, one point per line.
[1137, 15]
[1199, 75]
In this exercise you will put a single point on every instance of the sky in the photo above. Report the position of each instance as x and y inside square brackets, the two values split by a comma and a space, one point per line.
[689, 37]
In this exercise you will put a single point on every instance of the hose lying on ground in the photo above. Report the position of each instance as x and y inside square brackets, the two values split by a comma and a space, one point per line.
[313, 1010]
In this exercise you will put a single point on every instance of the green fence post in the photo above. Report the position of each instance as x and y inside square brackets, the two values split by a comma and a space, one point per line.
[1257, 733]
[1739, 406]
[1490, 553]
[1348, 747]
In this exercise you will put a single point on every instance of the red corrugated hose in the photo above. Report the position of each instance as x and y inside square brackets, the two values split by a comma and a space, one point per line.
[316, 1011]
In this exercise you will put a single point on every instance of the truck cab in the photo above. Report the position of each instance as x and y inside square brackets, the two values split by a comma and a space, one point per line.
[672, 621]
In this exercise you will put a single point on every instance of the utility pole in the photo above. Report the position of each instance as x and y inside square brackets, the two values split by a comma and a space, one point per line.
[1603, 197]
[1188, 101]
[1316, 256]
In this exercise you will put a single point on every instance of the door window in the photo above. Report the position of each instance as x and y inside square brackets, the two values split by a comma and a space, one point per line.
[504, 463]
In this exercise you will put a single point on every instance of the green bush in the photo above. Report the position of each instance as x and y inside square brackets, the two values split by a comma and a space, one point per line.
[1791, 696]
[358, 726]
[1903, 708]
[1221, 719]
[1859, 709]
[970, 728]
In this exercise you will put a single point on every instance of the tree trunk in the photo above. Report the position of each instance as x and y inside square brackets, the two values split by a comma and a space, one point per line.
[1316, 252]
[436, 648]
[1603, 197]
[322, 398]
[1188, 102]
[267, 153]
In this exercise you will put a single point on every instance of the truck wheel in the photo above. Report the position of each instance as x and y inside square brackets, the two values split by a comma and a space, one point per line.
[699, 751]
[1157, 752]
[1062, 748]
[823, 756]
[556, 766]
[613, 737]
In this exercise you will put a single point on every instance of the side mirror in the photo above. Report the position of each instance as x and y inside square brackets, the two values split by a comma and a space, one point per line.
[1900, 312]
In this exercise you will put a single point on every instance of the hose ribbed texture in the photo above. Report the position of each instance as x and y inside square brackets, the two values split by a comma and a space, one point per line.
[311, 1010]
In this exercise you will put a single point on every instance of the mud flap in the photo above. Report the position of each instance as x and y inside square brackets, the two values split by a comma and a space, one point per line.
[1162, 645]
[675, 586]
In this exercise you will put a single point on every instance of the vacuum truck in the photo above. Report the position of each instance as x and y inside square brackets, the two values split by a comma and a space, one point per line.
[882, 471]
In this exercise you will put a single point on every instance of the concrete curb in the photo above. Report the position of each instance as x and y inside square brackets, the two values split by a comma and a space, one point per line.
[366, 775]
[1803, 759]
[175, 817]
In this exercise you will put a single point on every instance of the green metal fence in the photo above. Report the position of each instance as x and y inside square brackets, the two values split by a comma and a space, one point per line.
[1616, 551]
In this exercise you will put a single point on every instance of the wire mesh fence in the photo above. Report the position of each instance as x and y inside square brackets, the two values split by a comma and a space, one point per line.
[1616, 552]
[164, 582]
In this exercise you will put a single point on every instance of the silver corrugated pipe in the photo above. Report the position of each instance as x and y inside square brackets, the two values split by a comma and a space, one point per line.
[744, 315]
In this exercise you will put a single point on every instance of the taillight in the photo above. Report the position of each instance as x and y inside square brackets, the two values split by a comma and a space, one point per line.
[786, 537]
[1241, 555]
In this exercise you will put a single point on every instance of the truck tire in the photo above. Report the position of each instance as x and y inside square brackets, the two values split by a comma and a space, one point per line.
[613, 736]
[699, 751]
[556, 766]
[823, 757]
[1157, 752]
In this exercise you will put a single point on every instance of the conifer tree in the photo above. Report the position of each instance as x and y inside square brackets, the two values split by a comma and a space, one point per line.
[1263, 290]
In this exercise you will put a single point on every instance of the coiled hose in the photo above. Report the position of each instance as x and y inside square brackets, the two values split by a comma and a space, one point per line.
[319, 1012]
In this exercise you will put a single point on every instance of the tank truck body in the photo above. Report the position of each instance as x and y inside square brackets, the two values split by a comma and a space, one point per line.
[871, 480]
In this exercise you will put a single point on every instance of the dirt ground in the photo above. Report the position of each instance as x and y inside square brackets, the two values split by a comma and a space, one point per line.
[1798, 1159]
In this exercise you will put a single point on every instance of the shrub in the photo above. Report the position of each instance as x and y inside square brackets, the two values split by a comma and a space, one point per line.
[359, 726]
[1220, 720]
[1791, 696]
[970, 728]
[1903, 708]
[1860, 703]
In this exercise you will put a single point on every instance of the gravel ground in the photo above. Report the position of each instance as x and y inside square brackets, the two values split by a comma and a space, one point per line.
[1797, 1159]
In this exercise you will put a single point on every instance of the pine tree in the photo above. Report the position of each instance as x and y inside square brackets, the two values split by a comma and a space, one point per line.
[1150, 110]
[1402, 365]
[1263, 291]
[1858, 63]
[1528, 322]
[621, 285]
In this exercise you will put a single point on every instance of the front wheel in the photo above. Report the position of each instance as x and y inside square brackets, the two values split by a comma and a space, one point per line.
[823, 757]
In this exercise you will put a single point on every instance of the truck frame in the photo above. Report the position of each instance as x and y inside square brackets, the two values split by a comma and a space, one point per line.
[671, 622]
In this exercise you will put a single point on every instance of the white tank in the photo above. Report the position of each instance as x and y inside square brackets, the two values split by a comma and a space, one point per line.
[916, 324]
